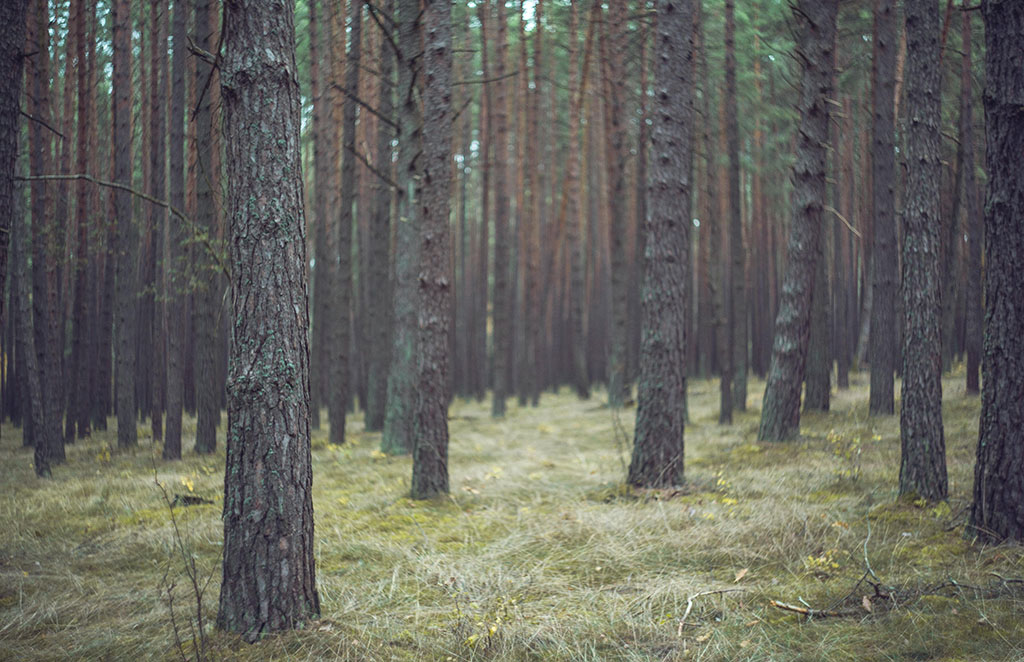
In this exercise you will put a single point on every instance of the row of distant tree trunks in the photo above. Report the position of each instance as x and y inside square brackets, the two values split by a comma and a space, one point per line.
[560, 306]
[76, 240]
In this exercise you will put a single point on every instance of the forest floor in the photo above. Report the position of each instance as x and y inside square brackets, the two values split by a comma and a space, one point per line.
[540, 553]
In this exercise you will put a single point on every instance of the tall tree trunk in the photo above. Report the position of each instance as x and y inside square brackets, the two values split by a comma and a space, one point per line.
[269, 580]
[175, 276]
[480, 371]
[158, 217]
[615, 114]
[780, 411]
[574, 236]
[12, 46]
[32, 401]
[502, 334]
[532, 377]
[205, 296]
[340, 368]
[923, 450]
[401, 402]
[975, 221]
[380, 255]
[661, 394]
[49, 439]
[884, 261]
[997, 512]
[818, 379]
[430, 447]
[319, 363]
[737, 257]
[82, 338]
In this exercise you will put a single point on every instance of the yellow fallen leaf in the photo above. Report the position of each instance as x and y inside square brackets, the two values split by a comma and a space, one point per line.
[741, 574]
[866, 603]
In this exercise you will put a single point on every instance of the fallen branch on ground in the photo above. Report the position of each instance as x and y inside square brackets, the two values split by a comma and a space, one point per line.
[689, 605]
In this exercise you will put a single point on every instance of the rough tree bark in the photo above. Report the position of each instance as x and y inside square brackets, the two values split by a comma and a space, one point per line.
[269, 578]
[883, 174]
[661, 413]
[434, 313]
[923, 456]
[997, 512]
[780, 411]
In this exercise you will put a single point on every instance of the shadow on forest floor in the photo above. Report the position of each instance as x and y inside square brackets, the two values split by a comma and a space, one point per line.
[541, 552]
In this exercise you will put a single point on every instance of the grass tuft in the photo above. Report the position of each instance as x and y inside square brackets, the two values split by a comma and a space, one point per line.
[541, 552]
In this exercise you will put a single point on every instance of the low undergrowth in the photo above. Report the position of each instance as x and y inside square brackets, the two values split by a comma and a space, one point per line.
[540, 552]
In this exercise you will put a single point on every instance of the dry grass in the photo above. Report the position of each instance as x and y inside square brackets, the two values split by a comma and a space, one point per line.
[540, 553]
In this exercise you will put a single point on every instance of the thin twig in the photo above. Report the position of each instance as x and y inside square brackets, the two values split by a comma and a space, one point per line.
[842, 218]
[41, 121]
[482, 81]
[362, 159]
[145, 196]
[810, 612]
[689, 604]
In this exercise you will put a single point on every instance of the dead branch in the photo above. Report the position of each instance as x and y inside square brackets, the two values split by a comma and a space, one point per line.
[689, 605]
[810, 612]
[145, 196]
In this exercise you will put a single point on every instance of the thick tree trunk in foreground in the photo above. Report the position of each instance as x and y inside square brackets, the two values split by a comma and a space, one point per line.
[430, 445]
[269, 579]
[661, 412]
[923, 456]
[780, 411]
[883, 174]
[998, 510]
